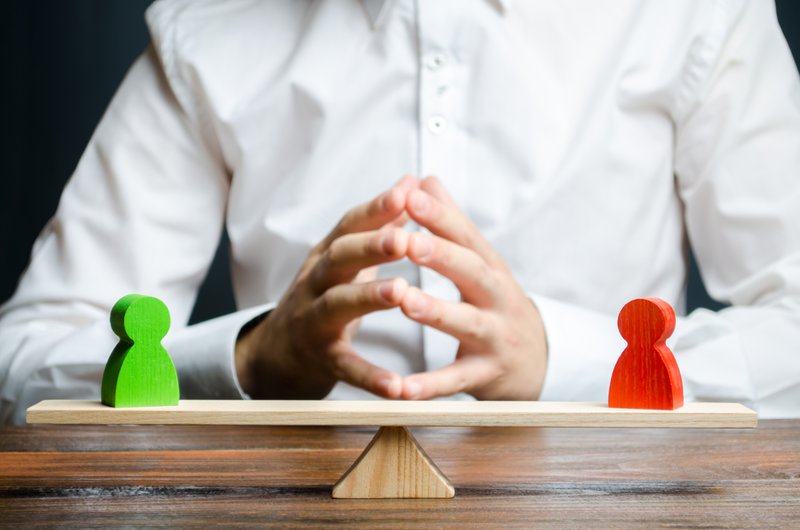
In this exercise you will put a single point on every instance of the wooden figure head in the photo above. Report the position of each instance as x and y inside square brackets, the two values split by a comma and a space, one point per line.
[136, 317]
[646, 321]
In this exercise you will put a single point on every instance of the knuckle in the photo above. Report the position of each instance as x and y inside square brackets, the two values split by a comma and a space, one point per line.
[307, 268]
[344, 368]
[435, 207]
[461, 383]
[438, 214]
[318, 249]
[337, 363]
[486, 279]
[376, 245]
[477, 329]
[347, 220]
[370, 296]
[325, 304]
[434, 313]
[469, 236]
[364, 379]
[442, 254]
[332, 262]
[453, 383]
[378, 204]
[291, 308]
[496, 262]
[332, 362]
[296, 319]
[478, 281]
[335, 250]
[317, 276]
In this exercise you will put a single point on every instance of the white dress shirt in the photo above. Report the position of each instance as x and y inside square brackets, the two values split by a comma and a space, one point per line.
[591, 142]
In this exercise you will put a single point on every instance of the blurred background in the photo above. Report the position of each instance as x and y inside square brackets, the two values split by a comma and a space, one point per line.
[64, 61]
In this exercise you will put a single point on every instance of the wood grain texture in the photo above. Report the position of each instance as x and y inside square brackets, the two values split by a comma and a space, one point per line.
[396, 413]
[393, 466]
[139, 372]
[646, 375]
[280, 477]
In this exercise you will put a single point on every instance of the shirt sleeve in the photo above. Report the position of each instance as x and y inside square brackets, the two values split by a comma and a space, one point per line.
[142, 213]
[737, 165]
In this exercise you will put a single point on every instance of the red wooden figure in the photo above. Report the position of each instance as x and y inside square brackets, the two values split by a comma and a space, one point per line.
[646, 375]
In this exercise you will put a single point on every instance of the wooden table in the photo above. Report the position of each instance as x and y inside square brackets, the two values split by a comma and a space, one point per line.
[141, 476]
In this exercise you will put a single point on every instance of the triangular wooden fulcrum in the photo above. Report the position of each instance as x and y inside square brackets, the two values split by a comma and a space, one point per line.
[393, 466]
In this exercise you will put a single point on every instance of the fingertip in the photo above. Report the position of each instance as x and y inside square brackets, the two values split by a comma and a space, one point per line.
[430, 180]
[394, 241]
[407, 182]
[390, 386]
[420, 247]
[399, 288]
[395, 198]
[393, 201]
[393, 291]
[412, 389]
[418, 203]
[413, 303]
[431, 184]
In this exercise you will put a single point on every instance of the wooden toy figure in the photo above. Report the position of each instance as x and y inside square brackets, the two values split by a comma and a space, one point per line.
[646, 375]
[139, 372]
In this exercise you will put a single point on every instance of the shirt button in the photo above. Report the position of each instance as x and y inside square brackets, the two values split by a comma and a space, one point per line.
[437, 124]
[435, 61]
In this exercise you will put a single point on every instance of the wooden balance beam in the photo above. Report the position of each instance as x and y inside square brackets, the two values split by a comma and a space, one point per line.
[394, 465]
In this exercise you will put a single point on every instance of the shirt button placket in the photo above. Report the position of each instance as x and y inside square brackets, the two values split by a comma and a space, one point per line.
[438, 134]
[434, 88]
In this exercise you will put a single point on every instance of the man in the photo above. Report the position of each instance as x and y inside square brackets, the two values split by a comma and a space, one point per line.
[579, 146]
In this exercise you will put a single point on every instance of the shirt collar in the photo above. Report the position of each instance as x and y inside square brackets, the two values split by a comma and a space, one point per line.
[377, 9]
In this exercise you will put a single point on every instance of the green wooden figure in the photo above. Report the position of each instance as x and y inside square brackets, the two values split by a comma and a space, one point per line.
[139, 372]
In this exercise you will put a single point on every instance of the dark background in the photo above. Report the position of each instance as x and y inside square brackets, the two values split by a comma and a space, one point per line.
[63, 62]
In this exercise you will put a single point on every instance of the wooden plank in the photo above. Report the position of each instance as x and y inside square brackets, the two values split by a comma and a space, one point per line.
[396, 413]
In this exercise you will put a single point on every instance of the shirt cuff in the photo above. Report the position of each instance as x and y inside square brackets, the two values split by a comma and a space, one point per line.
[582, 348]
[204, 355]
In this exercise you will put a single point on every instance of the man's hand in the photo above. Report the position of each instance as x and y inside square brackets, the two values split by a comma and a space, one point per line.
[303, 347]
[503, 350]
